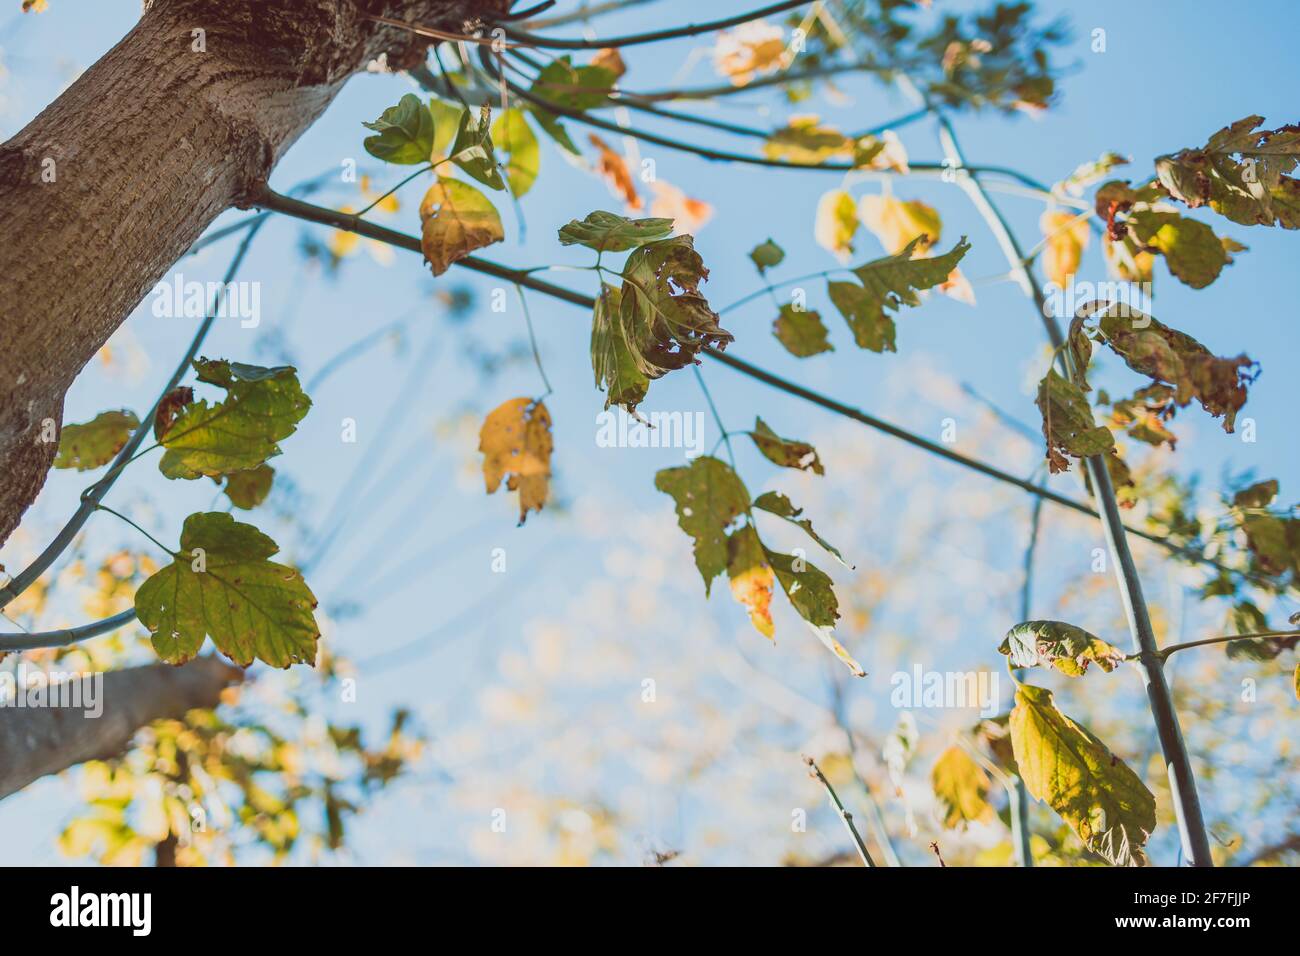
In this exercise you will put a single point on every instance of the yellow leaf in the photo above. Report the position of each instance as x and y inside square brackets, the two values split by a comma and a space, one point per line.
[751, 49]
[611, 165]
[457, 220]
[516, 440]
[1066, 235]
[610, 59]
[1123, 262]
[962, 787]
[836, 223]
[688, 215]
[896, 223]
[751, 578]
[958, 287]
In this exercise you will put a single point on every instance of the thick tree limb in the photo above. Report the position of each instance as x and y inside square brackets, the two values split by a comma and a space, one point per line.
[43, 740]
[114, 180]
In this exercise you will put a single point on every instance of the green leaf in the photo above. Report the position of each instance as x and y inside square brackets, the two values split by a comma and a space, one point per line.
[666, 320]
[248, 489]
[610, 232]
[611, 357]
[811, 594]
[513, 134]
[888, 284]
[457, 219]
[1094, 791]
[405, 133]
[573, 87]
[709, 496]
[94, 444]
[1167, 355]
[773, 502]
[1068, 648]
[1240, 173]
[767, 255]
[785, 452]
[473, 151]
[221, 585]
[801, 332]
[1194, 254]
[262, 407]
[446, 122]
[962, 789]
[1068, 424]
[1245, 618]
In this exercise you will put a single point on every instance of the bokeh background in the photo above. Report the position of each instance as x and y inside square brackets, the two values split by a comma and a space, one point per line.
[528, 684]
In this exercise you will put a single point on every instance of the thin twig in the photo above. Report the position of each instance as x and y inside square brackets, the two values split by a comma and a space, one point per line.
[815, 772]
[524, 38]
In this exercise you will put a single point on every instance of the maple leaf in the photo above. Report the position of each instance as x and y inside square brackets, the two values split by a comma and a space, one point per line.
[962, 788]
[709, 496]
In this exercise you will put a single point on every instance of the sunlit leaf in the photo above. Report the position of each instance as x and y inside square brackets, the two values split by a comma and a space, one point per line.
[614, 169]
[511, 132]
[1194, 254]
[262, 407]
[962, 789]
[806, 142]
[751, 577]
[516, 441]
[94, 444]
[751, 49]
[221, 585]
[1065, 237]
[1094, 791]
[1068, 648]
[900, 224]
[457, 219]
[836, 223]
[473, 151]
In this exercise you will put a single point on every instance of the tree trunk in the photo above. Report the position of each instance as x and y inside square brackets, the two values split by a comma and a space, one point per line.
[103, 191]
[42, 740]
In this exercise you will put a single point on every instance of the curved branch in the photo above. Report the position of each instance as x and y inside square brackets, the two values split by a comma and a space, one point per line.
[695, 29]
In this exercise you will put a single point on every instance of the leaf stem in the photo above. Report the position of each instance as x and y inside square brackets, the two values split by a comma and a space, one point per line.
[1164, 652]
[118, 514]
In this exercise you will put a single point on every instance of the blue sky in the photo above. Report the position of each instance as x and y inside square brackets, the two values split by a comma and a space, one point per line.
[419, 532]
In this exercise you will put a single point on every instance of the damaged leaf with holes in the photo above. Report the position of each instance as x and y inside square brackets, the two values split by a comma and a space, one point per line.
[709, 497]
[222, 585]
[1068, 648]
[786, 452]
[1166, 355]
[516, 442]
[666, 320]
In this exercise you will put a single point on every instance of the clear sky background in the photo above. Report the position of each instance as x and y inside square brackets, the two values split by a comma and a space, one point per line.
[408, 573]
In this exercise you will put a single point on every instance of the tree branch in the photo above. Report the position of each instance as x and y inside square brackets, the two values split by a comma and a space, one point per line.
[36, 741]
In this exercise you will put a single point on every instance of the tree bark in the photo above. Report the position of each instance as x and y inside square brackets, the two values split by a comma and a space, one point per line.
[43, 740]
[104, 191]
